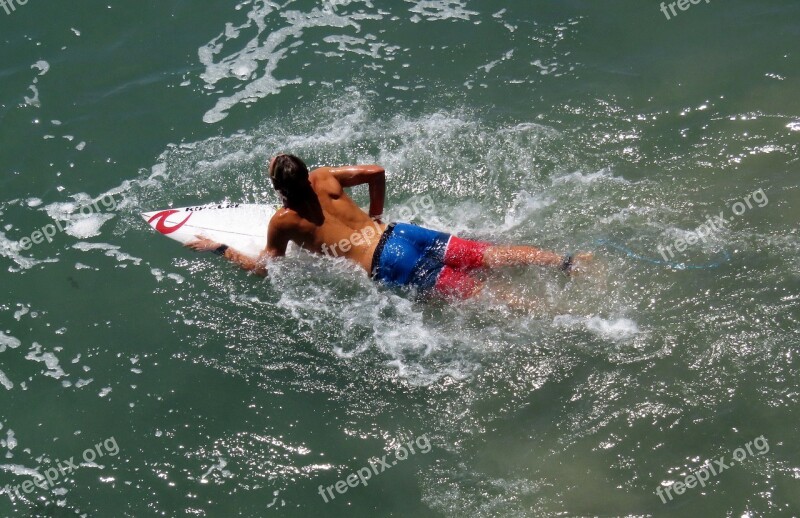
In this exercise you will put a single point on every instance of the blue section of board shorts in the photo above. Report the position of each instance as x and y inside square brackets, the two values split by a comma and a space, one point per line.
[412, 256]
[676, 265]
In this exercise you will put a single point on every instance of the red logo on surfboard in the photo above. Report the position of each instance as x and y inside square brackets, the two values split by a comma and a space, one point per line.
[162, 216]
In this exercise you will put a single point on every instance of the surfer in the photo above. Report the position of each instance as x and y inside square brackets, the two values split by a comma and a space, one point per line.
[320, 217]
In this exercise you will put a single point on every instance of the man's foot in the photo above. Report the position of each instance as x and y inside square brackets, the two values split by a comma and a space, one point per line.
[580, 263]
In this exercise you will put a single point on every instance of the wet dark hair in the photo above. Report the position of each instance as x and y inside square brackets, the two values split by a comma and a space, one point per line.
[289, 177]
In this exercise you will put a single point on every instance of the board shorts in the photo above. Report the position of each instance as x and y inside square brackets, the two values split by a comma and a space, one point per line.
[430, 261]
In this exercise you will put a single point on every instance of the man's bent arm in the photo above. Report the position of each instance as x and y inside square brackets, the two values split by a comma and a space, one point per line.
[377, 196]
[257, 266]
[277, 241]
[373, 175]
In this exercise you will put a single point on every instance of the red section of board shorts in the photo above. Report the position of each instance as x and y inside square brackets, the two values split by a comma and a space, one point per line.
[162, 216]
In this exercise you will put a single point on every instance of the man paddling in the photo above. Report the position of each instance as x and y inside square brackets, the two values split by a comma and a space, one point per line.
[320, 217]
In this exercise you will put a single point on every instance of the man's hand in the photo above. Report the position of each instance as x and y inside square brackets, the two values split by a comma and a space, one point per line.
[203, 244]
[257, 266]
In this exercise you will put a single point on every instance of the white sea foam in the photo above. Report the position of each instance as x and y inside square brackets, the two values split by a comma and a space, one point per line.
[176, 277]
[84, 227]
[373, 319]
[8, 341]
[376, 50]
[614, 329]
[435, 10]
[219, 467]
[108, 250]
[12, 250]
[22, 471]
[4, 381]
[10, 441]
[242, 64]
[160, 275]
[24, 310]
[489, 66]
[43, 67]
[252, 66]
[522, 208]
[84, 216]
[579, 177]
[49, 359]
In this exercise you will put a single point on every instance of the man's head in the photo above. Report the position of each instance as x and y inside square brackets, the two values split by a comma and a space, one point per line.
[289, 177]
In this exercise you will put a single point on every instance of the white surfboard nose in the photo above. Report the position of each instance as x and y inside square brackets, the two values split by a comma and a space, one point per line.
[170, 221]
[240, 226]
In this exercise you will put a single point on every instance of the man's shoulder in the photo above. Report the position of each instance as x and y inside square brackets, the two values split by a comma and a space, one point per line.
[284, 218]
[324, 182]
[320, 173]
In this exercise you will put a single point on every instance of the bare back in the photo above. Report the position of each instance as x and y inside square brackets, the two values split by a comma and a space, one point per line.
[332, 224]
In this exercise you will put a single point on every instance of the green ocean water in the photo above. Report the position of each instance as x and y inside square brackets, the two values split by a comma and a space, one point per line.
[201, 391]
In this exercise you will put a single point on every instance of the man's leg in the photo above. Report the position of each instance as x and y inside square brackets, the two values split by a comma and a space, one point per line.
[497, 256]
[455, 284]
[466, 254]
[509, 295]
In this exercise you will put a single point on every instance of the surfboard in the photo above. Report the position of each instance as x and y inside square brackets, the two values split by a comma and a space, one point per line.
[240, 226]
